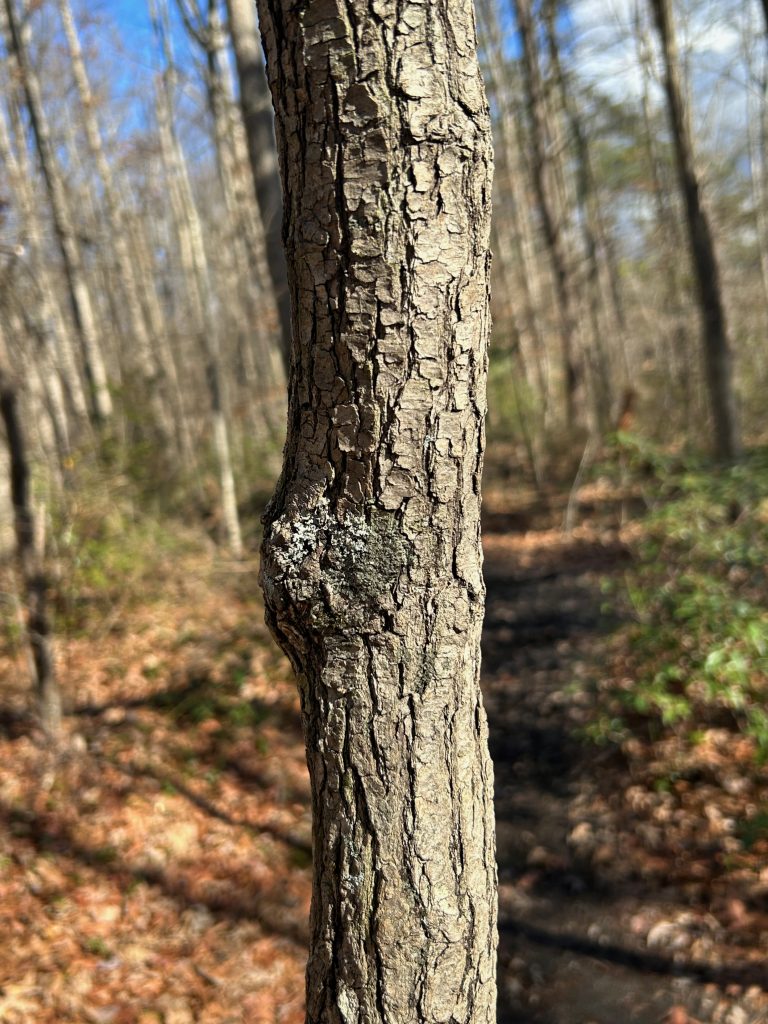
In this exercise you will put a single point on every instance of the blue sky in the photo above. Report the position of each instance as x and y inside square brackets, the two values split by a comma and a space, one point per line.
[124, 40]
[131, 16]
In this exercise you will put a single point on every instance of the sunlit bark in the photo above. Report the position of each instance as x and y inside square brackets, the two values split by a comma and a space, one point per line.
[371, 559]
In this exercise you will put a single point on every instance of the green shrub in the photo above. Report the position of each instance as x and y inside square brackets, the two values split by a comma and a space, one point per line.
[697, 652]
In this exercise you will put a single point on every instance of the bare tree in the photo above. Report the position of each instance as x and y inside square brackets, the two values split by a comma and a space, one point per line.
[245, 233]
[717, 352]
[44, 317]
[142, 347]
[195, 261]
[371, 560]
[79, 293]
[542, 174]
[604, 303]
[30, 556]
[257, 115]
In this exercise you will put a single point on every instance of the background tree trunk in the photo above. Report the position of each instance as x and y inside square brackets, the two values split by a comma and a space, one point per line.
[371, 560]
[542, 175]
[30, 558]
[194, 258]
[82, 306]
[717, 354]
[257, 115]
[141, 348]
[49, 322]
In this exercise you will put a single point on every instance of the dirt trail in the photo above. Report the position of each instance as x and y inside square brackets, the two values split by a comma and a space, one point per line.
[578, 944]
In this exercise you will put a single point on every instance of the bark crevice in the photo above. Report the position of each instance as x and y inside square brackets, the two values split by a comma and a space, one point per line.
[371, 560]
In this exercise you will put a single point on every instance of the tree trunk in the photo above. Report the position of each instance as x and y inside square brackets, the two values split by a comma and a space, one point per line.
[717, 353]
[542, 174]
[30, 561]
[604, 305]
[675, 354]
[514, 248]
[757, 139]
[44, 315]
[371, 560]
[140, 346]
[197, 275]
[257, 115]
[79, 294]
[46, 311]
[246, 242]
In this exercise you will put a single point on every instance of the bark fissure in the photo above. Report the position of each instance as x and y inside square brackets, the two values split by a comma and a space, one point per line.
[371, 562]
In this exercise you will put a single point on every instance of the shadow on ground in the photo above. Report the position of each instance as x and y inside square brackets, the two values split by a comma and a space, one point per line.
[568, 951]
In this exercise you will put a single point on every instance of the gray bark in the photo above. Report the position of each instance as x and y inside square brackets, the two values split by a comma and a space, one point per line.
[197, 274]
[675, 354]
[371, 561]
[542, 175]
[30, 558]
[597, 253]
[79, 294]
[141, 346]
[717, 353]
[257, 115]
[43, 315]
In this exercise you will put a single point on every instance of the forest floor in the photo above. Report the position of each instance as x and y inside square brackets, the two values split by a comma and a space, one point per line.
[625, 892]
[161, 873]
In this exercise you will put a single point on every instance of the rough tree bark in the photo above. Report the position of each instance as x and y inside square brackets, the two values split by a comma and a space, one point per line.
[371, 561]
[717, 353]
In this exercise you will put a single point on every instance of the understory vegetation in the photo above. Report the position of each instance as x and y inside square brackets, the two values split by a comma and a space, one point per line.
[694, 653]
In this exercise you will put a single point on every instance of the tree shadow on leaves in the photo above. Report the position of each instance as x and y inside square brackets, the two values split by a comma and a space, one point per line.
[48, 836]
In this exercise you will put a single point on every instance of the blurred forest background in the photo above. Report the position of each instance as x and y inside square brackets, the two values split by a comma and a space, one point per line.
[160, 872]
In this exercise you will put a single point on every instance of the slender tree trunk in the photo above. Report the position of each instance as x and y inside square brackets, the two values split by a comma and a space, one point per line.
[131, 309]
[757, 139]
[250, 266]
[758, 161]
[604, 304]
[30, 559]
[371, 560]
[147, 273]
[514, 246]
[257, 115]
[676, 355]
[542, 174]
[717, 353]
[195, 261]
[42, 374]
[79, 294]
[44, 316]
